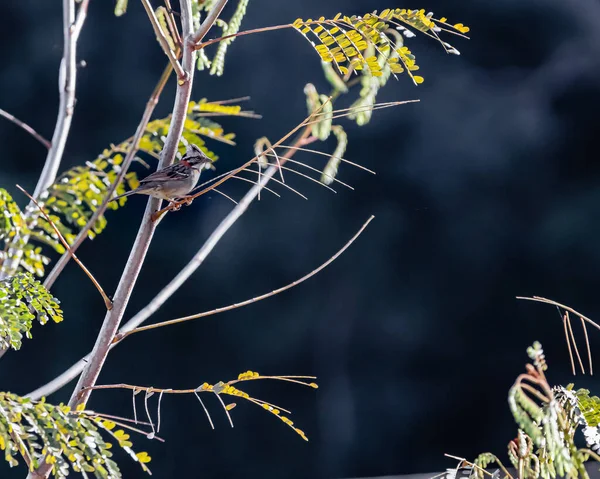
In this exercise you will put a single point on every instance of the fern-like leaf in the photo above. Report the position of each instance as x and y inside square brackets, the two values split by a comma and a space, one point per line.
[23, 299]
[344, 40]
[120, 7]
[67, 440]
[331, 168]
[232, 27]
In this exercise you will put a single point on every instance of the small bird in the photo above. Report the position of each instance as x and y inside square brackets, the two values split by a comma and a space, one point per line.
[174, 181]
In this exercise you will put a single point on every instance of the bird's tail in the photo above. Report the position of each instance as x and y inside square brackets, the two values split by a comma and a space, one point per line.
[132, 192]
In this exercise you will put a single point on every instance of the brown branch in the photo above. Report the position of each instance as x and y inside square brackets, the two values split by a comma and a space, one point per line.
[26, 127]
[568, 340]
[208, 22]
[574, 342]
[252, 300]
[200, 46]
[129, 157]
[107, 301]
[584, 319]
[551, 302]
[162, 40]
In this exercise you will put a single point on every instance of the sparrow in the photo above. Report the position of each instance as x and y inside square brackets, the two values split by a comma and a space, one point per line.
[174, 181]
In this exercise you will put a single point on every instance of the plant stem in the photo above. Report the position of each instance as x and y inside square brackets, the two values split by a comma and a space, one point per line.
[208, 22]
[162, 40]
[132, 269]
[133, 149]
[200, 46]
[26, 127]
[67, 78]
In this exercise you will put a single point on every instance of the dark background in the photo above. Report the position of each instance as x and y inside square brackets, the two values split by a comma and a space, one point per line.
[485, 190]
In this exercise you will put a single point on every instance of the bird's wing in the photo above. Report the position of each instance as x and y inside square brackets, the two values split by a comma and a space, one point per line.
[165, 174]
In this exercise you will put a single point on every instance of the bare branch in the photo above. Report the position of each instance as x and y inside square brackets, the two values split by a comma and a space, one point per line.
[162, 40]
[574, 342]
[205, 410]
[67, 77]
[257, 298]
[225, 409]
[208, 22]
[25, 127]
[107, 301]
[200, 46]
[168, 291]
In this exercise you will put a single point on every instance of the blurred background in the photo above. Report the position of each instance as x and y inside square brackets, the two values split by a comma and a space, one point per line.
[485, 190]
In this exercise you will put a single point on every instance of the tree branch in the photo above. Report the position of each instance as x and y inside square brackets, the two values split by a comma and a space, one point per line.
[162, 40]
[147, 228]
[67, 78]
[133, 149]
[26, 127]
[208, 22]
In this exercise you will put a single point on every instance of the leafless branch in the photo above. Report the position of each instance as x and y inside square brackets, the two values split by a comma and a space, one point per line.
[170, 289]
[255, 299]
[208, 22]
[162, 40]
[567, 326]
[67, 77]
[26, 127]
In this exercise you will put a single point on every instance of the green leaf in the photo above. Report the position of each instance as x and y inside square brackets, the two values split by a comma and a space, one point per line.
[67, 440]
[217, 64]
[23, 299]
[331, 168]
[344, 41]
[121, 7]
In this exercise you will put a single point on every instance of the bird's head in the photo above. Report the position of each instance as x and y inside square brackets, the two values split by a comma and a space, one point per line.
[196, 158]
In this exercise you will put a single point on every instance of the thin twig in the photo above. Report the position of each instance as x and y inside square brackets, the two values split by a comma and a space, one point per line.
[107, 301]
[200, 46]
[158, 411]
[175, 205]
[67, 77]
[568, 340]
[225, 408]
[173, 25]
[129, 157]
[318, 171]
[205, 410]
[26, 127]
[208, 22]
[574, 342]
[162, 40]
[148, 394]
[226, 196]
[255, 299]
[584, 319]
[539, 299]
[587, 343]
[300, 126]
